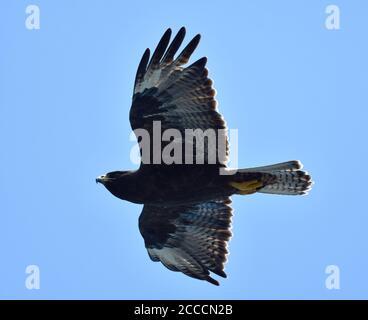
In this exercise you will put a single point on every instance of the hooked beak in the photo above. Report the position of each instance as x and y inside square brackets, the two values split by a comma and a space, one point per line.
[100, 179]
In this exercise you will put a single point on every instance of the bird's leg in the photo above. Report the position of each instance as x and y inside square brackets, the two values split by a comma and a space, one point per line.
[246, 187]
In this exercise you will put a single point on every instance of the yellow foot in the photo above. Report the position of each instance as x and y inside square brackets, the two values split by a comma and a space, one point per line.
[247, 187]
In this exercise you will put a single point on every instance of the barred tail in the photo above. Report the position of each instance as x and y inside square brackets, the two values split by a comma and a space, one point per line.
[285, 178]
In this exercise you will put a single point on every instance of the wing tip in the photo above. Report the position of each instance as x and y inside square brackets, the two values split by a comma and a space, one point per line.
[212, 281]
[167, 33]
[220, 273]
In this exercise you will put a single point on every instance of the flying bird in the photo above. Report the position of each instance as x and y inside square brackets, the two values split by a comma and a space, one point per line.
[186, 217]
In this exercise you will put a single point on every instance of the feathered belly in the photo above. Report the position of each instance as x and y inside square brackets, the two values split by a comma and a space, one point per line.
[178, 184]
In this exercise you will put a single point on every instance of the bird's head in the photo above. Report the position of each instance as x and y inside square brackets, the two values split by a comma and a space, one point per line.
[110, 177]
[120, 183]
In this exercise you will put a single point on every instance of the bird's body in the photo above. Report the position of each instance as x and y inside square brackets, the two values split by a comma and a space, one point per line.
[186, 217]
[150, 184]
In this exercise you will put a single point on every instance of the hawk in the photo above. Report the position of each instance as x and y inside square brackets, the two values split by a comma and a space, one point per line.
[186, 217]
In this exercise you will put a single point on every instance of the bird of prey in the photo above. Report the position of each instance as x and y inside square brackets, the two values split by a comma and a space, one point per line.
[186, 217]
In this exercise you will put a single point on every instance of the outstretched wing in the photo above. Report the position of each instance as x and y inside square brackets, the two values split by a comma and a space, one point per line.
[189, 238]
[180, 98]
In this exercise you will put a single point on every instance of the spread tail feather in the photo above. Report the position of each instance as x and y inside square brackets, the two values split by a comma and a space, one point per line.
[284, 178]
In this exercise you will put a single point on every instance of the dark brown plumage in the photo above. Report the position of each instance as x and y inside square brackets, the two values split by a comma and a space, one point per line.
[186, 216]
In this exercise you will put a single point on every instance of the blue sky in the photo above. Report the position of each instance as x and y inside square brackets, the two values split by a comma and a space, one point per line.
[294, 89]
